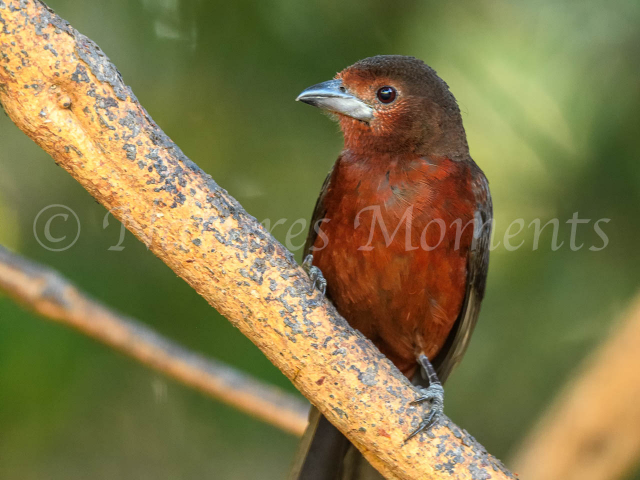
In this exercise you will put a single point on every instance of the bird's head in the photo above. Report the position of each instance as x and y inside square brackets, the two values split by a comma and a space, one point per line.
[392, 104]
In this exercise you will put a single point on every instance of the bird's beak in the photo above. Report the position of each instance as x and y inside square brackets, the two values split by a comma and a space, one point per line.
[334, 97]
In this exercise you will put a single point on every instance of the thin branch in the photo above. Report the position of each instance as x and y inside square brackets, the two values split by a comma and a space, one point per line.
[62, 91]
[55, 298]
[600, 408]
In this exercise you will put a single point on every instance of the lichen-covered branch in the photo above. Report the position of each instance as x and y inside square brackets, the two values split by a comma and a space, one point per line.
[62, 91]
[600, 408]
[52, 296]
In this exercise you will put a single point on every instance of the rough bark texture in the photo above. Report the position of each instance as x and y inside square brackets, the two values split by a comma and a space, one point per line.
[60, 89]
[600, 408]
[52, 296]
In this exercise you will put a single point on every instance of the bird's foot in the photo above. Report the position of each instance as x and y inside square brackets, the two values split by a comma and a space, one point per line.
[315, 274]
[434, 394]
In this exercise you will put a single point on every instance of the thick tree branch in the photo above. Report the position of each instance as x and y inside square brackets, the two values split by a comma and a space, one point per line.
[61, 90]
[600, 408]
[52, 296]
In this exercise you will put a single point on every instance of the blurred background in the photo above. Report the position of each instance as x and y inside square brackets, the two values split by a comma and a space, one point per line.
[550, 94]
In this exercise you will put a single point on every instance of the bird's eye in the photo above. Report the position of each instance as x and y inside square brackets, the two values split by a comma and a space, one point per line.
[386, 94]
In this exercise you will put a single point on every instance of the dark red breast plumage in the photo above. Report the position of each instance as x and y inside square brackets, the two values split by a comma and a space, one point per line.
[394, 249]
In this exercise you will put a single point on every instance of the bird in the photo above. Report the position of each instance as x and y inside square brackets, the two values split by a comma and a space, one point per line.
[399, 237]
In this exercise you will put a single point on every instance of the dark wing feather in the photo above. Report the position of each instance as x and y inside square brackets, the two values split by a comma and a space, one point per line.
[319, 212]
[477, 267]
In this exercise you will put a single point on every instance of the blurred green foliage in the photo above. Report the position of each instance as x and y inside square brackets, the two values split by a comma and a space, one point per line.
[550, 95]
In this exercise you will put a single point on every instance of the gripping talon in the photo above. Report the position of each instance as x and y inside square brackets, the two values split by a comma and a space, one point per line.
[315, 275]
[424, 425]
[434, 394]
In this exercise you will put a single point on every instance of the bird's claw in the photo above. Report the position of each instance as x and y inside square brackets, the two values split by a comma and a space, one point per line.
[434, 394]
[315, 274]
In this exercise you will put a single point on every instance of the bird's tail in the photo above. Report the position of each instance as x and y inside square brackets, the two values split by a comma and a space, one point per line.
[325, 454]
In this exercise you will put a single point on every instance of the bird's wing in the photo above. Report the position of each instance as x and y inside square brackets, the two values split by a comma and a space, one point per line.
[319, 212]
[477, 267]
